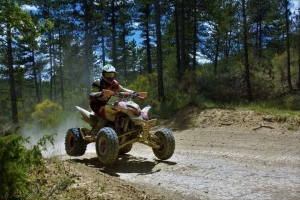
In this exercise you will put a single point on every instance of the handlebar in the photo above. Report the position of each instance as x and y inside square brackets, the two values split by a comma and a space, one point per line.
[109, 93]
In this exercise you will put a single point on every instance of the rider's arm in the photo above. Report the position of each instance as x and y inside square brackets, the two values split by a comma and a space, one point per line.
[96, 86]
[95, 94]
[119, 88]
[126, 90]
[134, 93]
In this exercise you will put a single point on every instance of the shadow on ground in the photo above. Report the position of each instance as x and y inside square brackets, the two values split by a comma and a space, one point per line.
[125, 164]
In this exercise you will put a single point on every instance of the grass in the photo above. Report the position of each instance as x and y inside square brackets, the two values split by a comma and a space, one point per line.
[280, 112]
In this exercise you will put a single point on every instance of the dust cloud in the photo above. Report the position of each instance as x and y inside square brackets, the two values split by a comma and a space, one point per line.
[58, 133]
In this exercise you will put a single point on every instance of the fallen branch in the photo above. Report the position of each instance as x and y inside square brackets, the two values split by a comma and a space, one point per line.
[263, 126]
[226, 124]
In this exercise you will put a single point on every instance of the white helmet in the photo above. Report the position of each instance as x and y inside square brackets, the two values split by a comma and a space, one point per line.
[108, 73]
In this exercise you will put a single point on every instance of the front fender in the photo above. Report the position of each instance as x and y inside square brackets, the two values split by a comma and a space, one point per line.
[111, 111]
[144, 112]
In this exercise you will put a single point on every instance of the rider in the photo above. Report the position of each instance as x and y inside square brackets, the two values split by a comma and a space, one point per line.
[97, 100]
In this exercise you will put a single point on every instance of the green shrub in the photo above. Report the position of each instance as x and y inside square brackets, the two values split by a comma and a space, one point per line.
[23, 115]
[292, 102]
[16, 162]
[47, 114]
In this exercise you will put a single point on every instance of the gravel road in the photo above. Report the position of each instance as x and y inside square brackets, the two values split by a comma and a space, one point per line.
[233, 155]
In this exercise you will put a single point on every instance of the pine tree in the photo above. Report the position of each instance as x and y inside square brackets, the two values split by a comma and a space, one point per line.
[13, 19]
[160, 84]
[145, 10]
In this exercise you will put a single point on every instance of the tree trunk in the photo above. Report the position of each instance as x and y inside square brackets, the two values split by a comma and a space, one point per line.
[124, 57]
[62, 92]
[258, 43]
[37, 92]
[148, 46]
[160, 84]
[247, 65]
[13, 97]
[103, 48]
[217, 53]
[51, 67]
[288, 45]
[86, 48]
[114, 43]
[54, 74]
[177, 42]
[299, 55]
[195, 36]
[182, 35]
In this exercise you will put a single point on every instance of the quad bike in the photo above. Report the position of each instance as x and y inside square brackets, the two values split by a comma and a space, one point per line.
[126, 124]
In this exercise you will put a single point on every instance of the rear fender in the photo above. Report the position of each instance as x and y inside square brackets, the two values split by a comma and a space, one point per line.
[88, 117]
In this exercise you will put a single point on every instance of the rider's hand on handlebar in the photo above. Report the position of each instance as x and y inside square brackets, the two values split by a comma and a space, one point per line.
[135, 94]
[117, 94]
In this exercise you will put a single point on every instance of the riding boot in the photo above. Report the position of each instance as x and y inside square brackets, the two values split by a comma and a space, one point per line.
[101, 123]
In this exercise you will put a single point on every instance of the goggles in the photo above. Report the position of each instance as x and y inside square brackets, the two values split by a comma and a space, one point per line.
[109, 75]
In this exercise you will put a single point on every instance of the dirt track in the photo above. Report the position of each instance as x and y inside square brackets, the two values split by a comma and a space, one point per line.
[219, 155]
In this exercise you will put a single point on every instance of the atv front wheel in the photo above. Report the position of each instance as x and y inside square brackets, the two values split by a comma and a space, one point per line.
[107, 146]
[75, 145]
[165, 139]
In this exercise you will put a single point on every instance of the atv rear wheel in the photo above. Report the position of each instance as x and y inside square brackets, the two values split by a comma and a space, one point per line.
[75, 145]
[107, 146]
[166, 141]
[125, 149]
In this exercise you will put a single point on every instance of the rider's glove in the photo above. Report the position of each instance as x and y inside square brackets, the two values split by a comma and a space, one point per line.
[135, 94]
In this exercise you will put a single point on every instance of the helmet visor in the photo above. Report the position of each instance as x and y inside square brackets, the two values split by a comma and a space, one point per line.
[109, 75]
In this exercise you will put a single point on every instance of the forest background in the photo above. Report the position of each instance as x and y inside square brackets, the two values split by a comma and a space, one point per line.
[52, 50]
